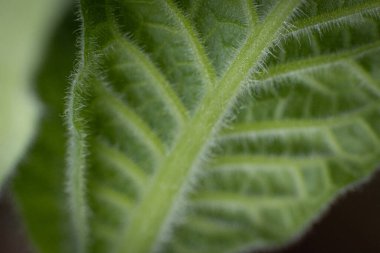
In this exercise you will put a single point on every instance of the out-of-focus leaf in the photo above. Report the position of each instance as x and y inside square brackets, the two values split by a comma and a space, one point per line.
[38, 185]
[24, 27]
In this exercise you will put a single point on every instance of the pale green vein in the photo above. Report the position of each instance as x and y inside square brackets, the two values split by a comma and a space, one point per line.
[122, 164]
[334, 144]
[117, 199]
[340, 152]
[339, 149]
[250, 8]
[281, 108]
[163, 87]
[367, 80]
[316, 62]
[77, 165]
[233, 201]
[297, 126]
[132, 121]
[104, 232]
[337, 16]
[254, 163]
[205, 67]
[315, 85]
[369, 130]
[162, 27]
[299, 182]
[211, 227]
[326, 176]
[145, 227]
[227, 21]
[314, 43]
[168, 95]
[263, 161]
[307, 105]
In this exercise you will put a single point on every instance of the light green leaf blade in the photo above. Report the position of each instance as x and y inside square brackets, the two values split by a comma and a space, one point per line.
[218, 126]
[25, 27]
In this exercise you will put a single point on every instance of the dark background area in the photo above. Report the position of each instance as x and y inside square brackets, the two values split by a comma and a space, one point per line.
[350, 225]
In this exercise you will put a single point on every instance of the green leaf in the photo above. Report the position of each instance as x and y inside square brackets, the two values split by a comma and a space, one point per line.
[218, 126]
[38, 184]
[169, 152]
[25, 27]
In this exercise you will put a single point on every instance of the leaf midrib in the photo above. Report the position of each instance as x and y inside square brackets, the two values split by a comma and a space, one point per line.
[150, 218]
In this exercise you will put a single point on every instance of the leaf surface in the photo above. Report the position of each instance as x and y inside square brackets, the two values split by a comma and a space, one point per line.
[218, 126]
[39, 182]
